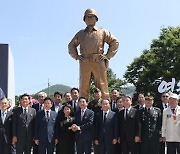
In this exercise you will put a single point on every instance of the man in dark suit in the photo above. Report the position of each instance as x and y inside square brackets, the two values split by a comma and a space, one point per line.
[120, 107]
[40, 106]
[67, 97]
[141, 102]
[23, 126]
[140, 105]
[163, 105]
[44, 128]
[5, 127]
[75, 96]
[57, 105]
[106, 129]
[83, 127]
[129, 126]
[114, 95]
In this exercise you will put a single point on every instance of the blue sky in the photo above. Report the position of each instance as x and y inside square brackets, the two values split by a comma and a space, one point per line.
[38, 32]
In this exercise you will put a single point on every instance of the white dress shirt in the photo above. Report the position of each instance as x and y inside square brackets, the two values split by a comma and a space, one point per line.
[57, 107]
[165, 105]
[126, 111]
[49, 111]
[3, 115]
[25, 108]
[107, 112]
[82, 112]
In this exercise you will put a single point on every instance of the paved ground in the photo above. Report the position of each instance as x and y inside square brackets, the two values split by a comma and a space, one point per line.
[93, 152]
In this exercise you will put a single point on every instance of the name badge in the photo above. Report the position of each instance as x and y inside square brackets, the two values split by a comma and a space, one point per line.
[168, 116]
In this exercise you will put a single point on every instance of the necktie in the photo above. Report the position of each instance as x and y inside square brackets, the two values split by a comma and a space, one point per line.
[165, 106]
[25, 112]
[82, 114]
[105, 118]
[47, 116]
[114, 105]
[25, 115]
[140, 107]
[74, 106]
[40, 107]
[173, 111]
[3, 117]
[126, 114]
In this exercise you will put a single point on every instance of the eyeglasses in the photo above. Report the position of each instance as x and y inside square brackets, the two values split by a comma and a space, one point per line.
[40, 96]
[165, 96]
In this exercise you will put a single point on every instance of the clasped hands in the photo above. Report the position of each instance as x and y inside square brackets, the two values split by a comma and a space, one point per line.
[74, 128]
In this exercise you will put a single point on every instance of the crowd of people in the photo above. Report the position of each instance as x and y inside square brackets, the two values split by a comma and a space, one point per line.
[101, 125]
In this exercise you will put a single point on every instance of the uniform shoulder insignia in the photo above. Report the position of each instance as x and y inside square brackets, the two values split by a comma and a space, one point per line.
[134, 109]
[156, 108]
[142, 109]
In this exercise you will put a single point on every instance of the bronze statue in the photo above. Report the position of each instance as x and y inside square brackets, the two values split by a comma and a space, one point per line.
[93, 61]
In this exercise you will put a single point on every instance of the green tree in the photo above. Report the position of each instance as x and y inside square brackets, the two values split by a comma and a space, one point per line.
[160, 62]
[113, 81]
[16, 100]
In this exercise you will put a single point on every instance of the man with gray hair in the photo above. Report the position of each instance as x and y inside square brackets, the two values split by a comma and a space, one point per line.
[41, 96]
[171, 125]
[40, 106]
[5, 127]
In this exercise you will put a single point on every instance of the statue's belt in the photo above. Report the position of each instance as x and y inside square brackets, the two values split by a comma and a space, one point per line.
[91, 58]
[94, 58]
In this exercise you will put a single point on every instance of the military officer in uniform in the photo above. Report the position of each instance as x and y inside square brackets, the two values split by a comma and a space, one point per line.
[93, 60]
[95, 105]
[150, 127]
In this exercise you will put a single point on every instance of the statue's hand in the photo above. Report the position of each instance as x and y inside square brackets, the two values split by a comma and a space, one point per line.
[79, 57]
[103, 57]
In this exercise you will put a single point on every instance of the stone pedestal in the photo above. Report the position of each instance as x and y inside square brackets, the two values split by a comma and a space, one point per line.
[7, 72]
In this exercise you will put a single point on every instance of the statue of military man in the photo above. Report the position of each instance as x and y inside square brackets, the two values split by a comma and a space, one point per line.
[93, 61]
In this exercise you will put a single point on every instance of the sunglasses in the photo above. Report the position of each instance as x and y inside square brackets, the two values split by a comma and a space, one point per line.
[165, 96]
